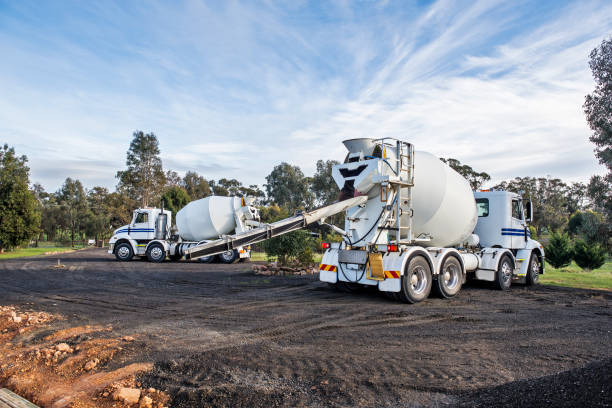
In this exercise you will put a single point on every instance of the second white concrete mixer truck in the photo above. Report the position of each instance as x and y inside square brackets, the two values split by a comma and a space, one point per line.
[150, 235]
[412, 225]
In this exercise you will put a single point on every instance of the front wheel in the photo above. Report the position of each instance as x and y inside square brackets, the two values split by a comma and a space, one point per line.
[124, 252]
[450, 278]
[228, 257]
[156, 253]
[416, 281]
[533, 274]
[503, 277]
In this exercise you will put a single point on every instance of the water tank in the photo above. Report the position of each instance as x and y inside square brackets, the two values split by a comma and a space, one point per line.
[207, 218]
[443, 203]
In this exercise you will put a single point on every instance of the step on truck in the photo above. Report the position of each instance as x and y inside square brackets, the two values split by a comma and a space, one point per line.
[412, 226]
[151, 235]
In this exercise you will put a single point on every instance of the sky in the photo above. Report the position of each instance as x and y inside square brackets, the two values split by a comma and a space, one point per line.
[232, 88]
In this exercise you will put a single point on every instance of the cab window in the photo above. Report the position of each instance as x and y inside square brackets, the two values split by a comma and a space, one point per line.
[517, 210]
[141, 217]
[482, 204]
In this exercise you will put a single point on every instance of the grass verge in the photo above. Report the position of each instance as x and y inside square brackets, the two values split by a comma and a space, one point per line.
[573, 276]
[25, 252]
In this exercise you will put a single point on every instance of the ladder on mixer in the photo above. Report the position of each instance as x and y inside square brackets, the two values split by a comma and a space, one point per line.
[402, 186]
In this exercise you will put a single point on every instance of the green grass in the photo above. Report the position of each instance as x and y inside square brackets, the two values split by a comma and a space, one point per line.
[573, 276]
[261, 256]
[25, 252]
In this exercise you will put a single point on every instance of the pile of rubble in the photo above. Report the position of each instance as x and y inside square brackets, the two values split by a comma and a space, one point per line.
[71, 366]
[275, 269]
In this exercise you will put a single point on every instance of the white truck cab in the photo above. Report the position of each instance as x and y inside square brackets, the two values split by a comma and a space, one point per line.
[502, 227]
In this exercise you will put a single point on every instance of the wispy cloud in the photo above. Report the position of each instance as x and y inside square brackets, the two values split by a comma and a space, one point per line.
[232, 89]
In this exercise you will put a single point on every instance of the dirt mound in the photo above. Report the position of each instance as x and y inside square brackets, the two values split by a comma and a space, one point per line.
[68, 367]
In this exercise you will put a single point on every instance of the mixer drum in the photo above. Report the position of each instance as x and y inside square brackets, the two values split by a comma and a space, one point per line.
[207, 218]
[443, 203]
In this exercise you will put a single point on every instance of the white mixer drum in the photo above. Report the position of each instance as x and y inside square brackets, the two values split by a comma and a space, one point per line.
[443, 203]
[207, 218]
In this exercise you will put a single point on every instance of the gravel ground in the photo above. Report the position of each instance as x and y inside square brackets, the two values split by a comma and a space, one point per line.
[221, 336]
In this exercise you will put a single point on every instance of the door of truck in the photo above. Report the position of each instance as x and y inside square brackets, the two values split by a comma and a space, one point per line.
[518, 223]
[141, 229]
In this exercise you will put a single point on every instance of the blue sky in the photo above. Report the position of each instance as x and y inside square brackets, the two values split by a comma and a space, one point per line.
[233, 88]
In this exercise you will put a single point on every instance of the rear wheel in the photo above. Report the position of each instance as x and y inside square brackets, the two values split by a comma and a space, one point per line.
[533, 273]
[156, 253]
[503, 277]
[124, 252]
[450, 278]
[416, 281]
[229, 257]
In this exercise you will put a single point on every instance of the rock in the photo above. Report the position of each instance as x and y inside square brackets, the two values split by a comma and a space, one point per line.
[90, 365]
[146, 402]
[17, 319]
[129, 396]
[151, 390]
[128, 338]
[63, 347]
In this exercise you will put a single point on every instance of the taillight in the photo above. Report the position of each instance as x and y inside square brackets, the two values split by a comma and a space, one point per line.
[325, 245]
[392, 248]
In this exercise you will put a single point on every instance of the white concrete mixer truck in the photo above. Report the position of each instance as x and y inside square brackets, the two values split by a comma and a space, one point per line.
[150, 234]
[412, 225]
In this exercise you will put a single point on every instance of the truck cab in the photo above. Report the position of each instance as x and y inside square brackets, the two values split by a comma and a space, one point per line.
[502, 224]
[147, 224]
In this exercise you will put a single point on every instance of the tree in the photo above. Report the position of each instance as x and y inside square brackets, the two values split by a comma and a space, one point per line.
[98, 223]
[253, 191]
[175, 198]
[476, 179]
[293, 246]
[226, 187]
[19, 209]
[144, 178]
[73, 202]
[173, 179]
[588, 256]
[559, 251]
[287, 187]
[323, 185]
[196, 186]
[598, 110]
[590, 226]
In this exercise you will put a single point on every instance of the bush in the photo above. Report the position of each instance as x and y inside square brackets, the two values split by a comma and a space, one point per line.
[590, 226]
[587, 256]
[533, 231]
[559, 251]
[294, 246]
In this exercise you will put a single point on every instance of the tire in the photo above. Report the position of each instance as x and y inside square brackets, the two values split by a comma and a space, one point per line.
[124, 252]
[229, 257]
[503, 277]
[533, 271]
[156, 253]
[450, 278]
[416, 281]
[206, 259]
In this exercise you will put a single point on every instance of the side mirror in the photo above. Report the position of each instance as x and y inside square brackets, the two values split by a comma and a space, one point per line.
[528, 211]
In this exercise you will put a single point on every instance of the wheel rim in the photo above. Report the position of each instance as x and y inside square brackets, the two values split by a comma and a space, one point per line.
[156, 252]
[535, 270]
[123, 252]
[451, 276]
[418, 280]
[227, 255]
[506, 271]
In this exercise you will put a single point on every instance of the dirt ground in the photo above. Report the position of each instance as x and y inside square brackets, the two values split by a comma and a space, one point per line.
[218, 335]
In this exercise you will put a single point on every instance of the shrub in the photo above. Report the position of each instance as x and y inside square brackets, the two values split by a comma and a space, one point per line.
[533, 231]
[589, 256]
[559, 251]
[294, 246]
